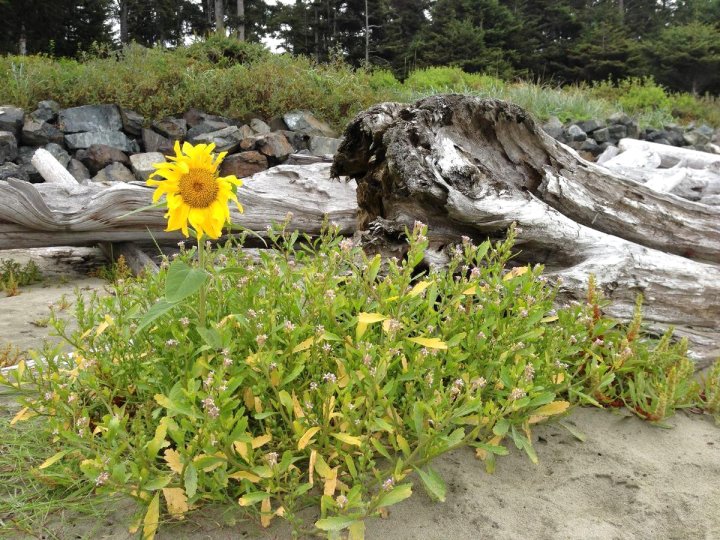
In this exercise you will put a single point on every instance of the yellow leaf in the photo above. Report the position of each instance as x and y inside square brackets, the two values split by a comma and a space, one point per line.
[257, 442]
[305, 439]
[348, 439]
[559, 378]
[330, 483]
[311, 466]
[22, 415]
[248, 398]
[135, 525]
[104, 325]
[172, 457]
[369, 318]
[163, 401]
[242, 449]
[274, 378]
[176, 502]
[515, 272]
[51, 460]
[470, 290]
[482, 454]
[244, 475]
[20, 369]
[322, 467]
[297, 409]
[280, 512]
[85, 334]
[556, 407]
[266, 514]
[258, 405]
[419, 288]
[552, 318]
[357, 531]
[152, 517]
[430, 343]
[304, 345]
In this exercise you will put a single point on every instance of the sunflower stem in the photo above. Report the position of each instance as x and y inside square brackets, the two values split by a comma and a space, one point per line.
[203, 289]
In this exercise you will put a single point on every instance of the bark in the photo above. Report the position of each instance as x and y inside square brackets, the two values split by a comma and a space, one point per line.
[241, 19]
[220, 17]
[472, 167]
[124, 21]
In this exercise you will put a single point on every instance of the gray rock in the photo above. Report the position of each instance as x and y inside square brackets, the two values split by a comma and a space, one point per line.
[589, 145]
[305, 122]
[132, 122]
[633, 131]
[24, 159]
[58, 153]
[554, 128]
[620, 118]
[172, 128]
[589, 126]
[320, 146]
[154, 142]
[299, 141]
[116, 139]
[617, 131]
[278, 124]
[115, 172]
[259, 127]
[99, 156]
[142, 164]
[243, 164]
[11, 119]
[663, 140]
[695, 138]
[47, 111]
[92, 118]
[601, 135]
[38, 133]
[607, 154]
[705, 130]
[8, 147]
[78, 170]
[203, 128]
[575, 134]
[275, 146]
[225, 140]
[13, 170]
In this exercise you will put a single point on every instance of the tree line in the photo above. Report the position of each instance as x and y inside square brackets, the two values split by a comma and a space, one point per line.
[675, 41]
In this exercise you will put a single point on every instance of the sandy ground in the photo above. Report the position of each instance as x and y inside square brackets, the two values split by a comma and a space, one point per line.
[628, 480]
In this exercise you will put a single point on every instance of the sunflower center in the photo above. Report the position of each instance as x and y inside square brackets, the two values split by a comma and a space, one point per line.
[198, 188]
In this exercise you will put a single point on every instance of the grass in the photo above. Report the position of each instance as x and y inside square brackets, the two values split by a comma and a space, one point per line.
[233, 79]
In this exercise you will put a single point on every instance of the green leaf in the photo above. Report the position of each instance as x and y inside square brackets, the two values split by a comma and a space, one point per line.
[294, 374]
[253, 498]
[397, 494]
[157, 483]
[501, 427]
[337, 523]
[182, 281]
[433, 483]
[191, 480]
[579, 435]
[211, 336]
[158, 309]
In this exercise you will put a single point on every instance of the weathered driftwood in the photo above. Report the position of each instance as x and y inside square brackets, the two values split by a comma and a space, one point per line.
[671, 155]
[467, 166]
[36, 215]
[135, 258]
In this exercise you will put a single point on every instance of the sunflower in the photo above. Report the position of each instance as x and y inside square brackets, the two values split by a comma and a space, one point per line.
[195, 194]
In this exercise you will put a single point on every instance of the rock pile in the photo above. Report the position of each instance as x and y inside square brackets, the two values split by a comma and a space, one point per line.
[592, 137]
[106, 143]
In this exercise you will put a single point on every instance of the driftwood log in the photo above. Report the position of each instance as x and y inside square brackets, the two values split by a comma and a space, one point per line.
[472, 167]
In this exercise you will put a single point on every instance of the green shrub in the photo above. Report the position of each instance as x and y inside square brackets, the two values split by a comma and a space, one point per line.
[14, 275]
[451, 79]
[325, 377]
[223, 51]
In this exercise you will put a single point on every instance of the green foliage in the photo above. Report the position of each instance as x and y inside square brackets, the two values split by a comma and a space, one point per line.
[325, 377]
[14, 275]
[452, 79]
[224, 51]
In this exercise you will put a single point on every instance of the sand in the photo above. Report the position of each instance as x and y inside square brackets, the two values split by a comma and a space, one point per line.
[627, 480]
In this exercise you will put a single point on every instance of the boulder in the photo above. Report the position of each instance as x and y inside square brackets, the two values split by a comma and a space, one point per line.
[275, 146]
[601, 135]
[591, 147]
[79, 171]
[243, 164]
[202, 128]
[46, 111]
[93, 118]
[588, 126]
[172, 128]
[575, 134]
[13, 170]
[8, 147]
[226, 139]
[554, 128]
[320, 146]
[278, 124]
[132, 122]
[24, 159]
[154, 142]
[115, 172]
[11, 119]
[99, 156]
[617, 131]
[259, 127]
[695, 138]
[299, 141]
[59, 153]
[142, 164]
[620, 118]
[38, 133]
[305, 122]
[116, 139]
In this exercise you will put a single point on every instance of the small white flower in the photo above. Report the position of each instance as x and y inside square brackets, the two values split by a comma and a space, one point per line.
[261, 339]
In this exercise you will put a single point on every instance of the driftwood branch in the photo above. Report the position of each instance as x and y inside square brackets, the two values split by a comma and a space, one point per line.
[467, 166]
